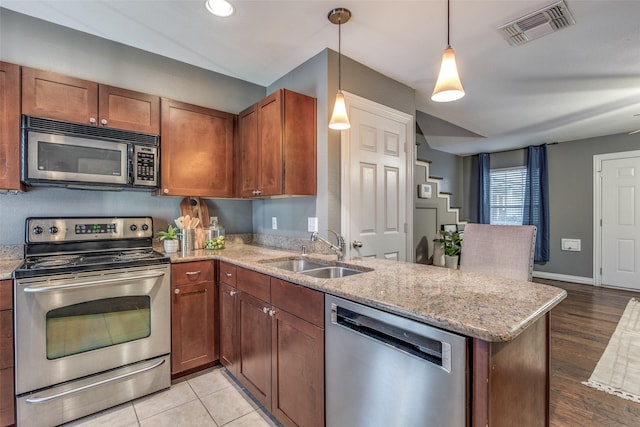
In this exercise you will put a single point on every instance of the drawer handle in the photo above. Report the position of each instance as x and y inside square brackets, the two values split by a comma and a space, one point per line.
[192, 273]
[228, 274]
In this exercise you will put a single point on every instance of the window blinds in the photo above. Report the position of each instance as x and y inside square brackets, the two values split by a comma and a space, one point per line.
[507, 195]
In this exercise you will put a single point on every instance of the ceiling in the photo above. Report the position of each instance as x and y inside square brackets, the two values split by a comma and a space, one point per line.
[582, 81]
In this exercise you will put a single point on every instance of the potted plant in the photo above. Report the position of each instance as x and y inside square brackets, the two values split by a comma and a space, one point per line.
[170, 239]
[451, 241]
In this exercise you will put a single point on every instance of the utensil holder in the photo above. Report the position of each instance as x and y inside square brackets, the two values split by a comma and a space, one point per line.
[187, 240]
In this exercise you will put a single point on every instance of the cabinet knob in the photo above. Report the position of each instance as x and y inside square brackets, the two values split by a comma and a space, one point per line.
[92, 120]
[272, 313]
[165, 191]
[233, 293]
[265, 310]
[176, 291]
[103, 122]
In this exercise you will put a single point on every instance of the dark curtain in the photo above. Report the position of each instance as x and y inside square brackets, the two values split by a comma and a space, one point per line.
[484, 189]
[536, 199]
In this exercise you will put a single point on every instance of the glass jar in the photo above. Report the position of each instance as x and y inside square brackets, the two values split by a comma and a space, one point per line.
[214, 235]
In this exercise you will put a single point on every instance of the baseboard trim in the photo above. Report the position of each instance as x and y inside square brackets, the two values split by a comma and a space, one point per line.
[564, 277]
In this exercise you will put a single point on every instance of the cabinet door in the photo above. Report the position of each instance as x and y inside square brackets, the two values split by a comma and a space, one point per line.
[7, 415]
[197, 151]
[130, 110]
[270, 159]
[248, 152]
[60, 97]
[298, 371]
[193, 328]
[254, 347]
[228, 296]
[9, 126]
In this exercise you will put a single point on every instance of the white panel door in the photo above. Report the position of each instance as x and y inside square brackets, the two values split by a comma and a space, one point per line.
[621, 223]
[377, 188]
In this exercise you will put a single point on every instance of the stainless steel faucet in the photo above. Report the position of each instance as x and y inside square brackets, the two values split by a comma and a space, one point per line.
[339, 250]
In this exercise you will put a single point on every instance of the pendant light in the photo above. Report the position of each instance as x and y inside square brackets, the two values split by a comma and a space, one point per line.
[339, 119]
[448, 86]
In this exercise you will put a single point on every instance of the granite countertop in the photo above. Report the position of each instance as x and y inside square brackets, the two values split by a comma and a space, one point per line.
[7, 267]
[489, 308]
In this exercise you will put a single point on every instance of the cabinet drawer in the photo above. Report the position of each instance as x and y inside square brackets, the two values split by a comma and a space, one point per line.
[6, 294]
[302, 302]
[254, 283]
[191, 272]
[228, 273]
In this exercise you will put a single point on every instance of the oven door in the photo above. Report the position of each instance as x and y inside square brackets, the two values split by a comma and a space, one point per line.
[74, 325]
[73, 160]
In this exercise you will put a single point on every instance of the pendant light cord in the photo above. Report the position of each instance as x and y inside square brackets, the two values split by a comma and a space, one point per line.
[448, 24]
[339, 54]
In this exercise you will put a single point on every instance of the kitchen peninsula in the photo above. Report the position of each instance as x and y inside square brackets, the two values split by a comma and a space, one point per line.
[505, 322]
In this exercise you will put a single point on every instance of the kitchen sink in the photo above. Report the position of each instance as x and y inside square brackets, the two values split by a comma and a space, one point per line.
[295, 265]
[331, 272]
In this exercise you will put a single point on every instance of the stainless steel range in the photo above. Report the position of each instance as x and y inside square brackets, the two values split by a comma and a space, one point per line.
[92, 317]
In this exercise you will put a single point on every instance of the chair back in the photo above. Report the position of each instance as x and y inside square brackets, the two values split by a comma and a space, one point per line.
[499, 250]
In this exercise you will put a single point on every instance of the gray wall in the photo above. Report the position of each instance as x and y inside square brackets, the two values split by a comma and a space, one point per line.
[570, 195]
[39, 44]
[447, 166]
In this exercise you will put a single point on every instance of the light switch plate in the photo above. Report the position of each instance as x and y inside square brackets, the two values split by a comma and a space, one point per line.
[274, 222]
[312, 224]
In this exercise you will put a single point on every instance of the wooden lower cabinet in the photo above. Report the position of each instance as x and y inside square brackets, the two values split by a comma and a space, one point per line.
[7, 400]
[193, 317]
[280, 355]
[510, 381]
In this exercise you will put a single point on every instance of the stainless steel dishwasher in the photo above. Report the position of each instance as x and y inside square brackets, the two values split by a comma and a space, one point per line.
[386, 370]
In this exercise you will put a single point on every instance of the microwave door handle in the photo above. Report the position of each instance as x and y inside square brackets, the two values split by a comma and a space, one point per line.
[38, 289]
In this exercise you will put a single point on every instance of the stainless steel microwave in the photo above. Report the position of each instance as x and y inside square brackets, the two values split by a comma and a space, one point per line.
[75, 155]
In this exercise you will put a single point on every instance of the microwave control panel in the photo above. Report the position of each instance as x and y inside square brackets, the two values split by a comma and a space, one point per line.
[145, 166]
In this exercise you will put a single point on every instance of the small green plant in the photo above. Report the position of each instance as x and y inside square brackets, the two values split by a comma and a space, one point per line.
[451, 241]
[170, 234]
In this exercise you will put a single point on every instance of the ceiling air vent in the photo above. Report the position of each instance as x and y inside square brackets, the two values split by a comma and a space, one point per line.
[537, 24]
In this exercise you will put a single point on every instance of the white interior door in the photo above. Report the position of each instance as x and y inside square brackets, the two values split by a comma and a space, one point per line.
[620, 207]
[376, 184]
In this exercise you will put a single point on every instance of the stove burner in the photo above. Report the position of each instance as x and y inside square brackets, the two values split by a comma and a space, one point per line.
[56, 261]
[132, 255]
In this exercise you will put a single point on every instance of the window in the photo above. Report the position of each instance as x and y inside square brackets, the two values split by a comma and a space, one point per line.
[507, 195]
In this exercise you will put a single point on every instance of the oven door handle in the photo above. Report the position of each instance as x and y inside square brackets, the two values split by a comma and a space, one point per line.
[96, 384]
[35, 289]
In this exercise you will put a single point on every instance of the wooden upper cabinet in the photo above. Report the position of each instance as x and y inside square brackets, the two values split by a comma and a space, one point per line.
[60, 97]
[126, 109]
[277, 146]
[9, 127]
[248, 151]
[197, 151]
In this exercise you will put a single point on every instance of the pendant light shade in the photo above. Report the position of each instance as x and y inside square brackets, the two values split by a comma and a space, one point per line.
[448, 86]
[339, 118]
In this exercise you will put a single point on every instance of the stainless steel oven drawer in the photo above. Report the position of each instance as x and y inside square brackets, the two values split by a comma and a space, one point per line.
[78, 398]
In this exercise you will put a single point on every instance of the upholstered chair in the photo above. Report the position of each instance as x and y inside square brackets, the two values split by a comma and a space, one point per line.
[499, 250]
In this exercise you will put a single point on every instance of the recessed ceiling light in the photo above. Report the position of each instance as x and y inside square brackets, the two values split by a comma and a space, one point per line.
[219, 7]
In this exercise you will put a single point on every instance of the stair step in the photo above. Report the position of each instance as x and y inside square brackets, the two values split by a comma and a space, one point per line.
[446, 193]
[436, 177]
[423, 160]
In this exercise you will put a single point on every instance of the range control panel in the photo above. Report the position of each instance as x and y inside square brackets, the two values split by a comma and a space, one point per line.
[43, 230]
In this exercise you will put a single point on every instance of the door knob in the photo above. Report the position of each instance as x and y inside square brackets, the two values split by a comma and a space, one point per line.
[356, 244]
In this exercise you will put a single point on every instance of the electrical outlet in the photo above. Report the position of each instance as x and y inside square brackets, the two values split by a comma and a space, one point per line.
[274, 222]
[312, 224]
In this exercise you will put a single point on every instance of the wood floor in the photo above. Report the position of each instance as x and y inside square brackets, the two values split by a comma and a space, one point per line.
[581, 326]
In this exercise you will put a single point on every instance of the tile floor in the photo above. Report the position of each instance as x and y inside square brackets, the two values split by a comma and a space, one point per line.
[207, 399]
